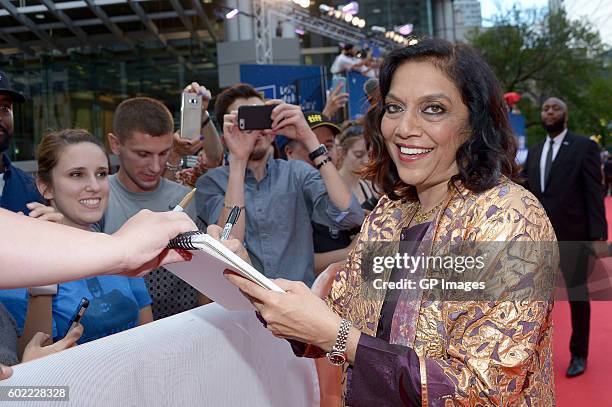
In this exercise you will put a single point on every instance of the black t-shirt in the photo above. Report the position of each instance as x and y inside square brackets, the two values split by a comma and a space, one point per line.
[327, 239]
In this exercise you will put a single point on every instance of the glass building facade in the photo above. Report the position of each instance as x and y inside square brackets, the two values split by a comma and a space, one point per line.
[76, 61]
[82, 90]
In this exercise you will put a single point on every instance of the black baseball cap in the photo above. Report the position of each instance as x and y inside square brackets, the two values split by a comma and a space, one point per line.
[5, 87]
[317, 119]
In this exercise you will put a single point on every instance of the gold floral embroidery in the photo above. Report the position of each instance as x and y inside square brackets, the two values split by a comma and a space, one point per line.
[507, 357]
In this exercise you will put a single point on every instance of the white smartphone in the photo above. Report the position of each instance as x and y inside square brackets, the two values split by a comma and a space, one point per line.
[191, 115]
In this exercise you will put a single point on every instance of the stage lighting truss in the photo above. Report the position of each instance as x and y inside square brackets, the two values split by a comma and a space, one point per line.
[302, 3]
[333, 23]
[346, 14]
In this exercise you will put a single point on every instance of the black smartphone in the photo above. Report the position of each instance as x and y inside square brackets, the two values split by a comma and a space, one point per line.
[255, 117]
[80, 311]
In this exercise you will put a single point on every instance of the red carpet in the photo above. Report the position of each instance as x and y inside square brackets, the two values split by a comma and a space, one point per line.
[593, 387]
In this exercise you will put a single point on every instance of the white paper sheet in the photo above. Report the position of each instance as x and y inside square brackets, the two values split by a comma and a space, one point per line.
[205, 273]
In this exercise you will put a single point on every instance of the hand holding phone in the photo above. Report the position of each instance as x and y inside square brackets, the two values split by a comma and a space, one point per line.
[338, 84]
[336, 99]
[239, 143]
[201, 90]
[191, 115]
[289, 120]
[255, 117]
[80, 311]
[42, 345]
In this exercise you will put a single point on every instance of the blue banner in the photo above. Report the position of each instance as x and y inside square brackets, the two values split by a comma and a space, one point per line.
[358, 103]
[295, 84]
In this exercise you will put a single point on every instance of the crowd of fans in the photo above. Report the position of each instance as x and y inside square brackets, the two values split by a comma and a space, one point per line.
[304, 198]
[300, 213]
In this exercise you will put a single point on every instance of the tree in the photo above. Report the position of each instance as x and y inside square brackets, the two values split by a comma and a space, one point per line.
[540, 54]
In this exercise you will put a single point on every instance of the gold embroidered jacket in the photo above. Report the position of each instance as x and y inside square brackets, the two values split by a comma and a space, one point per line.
[471, 352]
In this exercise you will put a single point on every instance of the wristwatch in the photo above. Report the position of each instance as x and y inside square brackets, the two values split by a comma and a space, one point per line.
[43, 290]
[337, 355]
[321, 150]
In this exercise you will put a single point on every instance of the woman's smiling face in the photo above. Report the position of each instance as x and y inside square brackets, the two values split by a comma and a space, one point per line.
[424, 123]
[79, 184]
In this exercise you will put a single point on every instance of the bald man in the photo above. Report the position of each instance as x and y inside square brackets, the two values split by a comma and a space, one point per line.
[563, 172]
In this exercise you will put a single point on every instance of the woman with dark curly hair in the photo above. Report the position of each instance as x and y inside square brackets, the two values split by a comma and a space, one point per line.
[413, 332]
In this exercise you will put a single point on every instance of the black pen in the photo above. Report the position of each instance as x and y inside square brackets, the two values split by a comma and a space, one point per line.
[231, 221]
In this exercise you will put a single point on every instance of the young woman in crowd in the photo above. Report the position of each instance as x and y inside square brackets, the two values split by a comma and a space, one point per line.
[39, 253]
[443, 154]
[72, 175]
[352, 159]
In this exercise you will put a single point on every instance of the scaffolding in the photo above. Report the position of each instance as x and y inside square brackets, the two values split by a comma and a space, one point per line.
[263, 32]
[326, 26]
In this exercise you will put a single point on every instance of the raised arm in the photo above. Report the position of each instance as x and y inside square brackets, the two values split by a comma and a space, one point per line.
[208, 140]
[240, 146]
[289, 121]
[212, 143]
[41, 253]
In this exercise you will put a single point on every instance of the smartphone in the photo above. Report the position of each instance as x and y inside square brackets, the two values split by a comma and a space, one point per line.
[79, 313]
[336, 81]
[255, 117]
[191, 115]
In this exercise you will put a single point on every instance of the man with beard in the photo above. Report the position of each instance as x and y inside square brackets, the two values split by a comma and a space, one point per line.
[563, 172]
[17, 190]
[279, 199]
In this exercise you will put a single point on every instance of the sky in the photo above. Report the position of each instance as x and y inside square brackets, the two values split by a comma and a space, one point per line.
[598, 12]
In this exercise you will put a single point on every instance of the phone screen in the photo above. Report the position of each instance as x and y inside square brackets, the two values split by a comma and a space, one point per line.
[336, 81]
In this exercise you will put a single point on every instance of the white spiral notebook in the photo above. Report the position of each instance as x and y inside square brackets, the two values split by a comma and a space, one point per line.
[205, 270]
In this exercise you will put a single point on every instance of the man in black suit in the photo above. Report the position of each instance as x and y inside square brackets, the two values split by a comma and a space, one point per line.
[564, 173]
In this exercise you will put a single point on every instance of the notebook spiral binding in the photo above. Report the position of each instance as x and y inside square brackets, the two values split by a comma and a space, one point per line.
[184, 241]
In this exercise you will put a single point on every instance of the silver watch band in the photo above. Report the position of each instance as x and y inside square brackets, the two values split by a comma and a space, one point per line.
[337, 354]
[340, 344]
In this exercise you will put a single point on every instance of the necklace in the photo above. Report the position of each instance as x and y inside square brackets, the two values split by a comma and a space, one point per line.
[422, 217]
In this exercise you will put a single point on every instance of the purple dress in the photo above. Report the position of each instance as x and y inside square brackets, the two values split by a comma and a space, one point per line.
[383, 374]
[379, 363]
